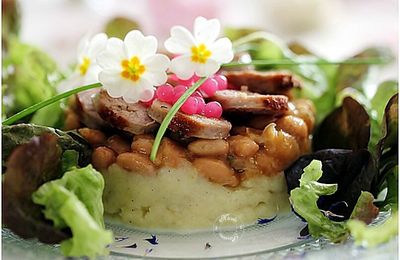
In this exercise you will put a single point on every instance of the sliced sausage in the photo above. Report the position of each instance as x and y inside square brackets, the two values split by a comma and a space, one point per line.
[191, 125]
[86, 110]
[276, 82]
[130, 117]
[239, 101]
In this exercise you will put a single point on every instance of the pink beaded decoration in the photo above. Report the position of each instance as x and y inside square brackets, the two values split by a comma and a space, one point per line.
[178, 92]
[222, 81]
[165, 93]
[190, 106]
[209, 87]
[200, 106]
[213, 109]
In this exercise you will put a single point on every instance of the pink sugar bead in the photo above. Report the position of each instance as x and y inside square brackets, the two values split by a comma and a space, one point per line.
[165, 93]
[209, 87]
[197, 94]
[222, 81]
[213, 109]
[201, 105]
[178, 91]
[190, 106]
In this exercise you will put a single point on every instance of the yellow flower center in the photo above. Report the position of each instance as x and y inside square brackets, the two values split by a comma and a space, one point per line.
[200, 53]
[84, 66]
[132, 69]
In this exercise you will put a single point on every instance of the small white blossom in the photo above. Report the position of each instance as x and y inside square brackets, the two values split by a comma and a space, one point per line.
[131, 68]
[87, 70]
[201, 53]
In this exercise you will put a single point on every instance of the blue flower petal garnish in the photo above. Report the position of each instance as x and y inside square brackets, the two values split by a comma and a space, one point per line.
[262, 221]
[153, 240]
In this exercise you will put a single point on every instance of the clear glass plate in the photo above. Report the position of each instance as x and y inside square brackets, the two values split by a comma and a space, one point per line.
[273, 240]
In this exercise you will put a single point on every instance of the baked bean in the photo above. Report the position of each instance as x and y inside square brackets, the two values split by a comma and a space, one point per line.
[244, 167]
[216, 171]
[268, 164]
[294, 126]
[253, 134]
[170, 154]
[102, 157]
[142, 144]
[305, 110]
[118, 144]
[92, 136]
[242, 146]
[137, 163]
[71, 120]
[280, 144]
[209, 147]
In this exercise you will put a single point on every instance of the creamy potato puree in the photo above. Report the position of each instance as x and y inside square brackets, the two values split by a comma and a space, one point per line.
[181, 199]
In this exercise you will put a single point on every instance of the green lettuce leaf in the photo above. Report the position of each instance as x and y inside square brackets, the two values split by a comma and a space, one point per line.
[304, 201]
[370, 236]
[75, 201]
[29, 77]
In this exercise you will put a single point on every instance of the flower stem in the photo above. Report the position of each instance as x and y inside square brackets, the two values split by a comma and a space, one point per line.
[171, 113]
[353, 61]
[37, 106]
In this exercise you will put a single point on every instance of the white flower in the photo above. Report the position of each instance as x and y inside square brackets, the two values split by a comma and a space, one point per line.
[87, 70]
[201, 53]
[131, 68]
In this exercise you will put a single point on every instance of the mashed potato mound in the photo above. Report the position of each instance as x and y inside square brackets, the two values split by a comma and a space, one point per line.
[180, 199]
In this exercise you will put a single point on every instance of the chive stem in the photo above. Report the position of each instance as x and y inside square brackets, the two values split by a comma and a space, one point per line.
[32, 109]
[170, 115]
[352, 61]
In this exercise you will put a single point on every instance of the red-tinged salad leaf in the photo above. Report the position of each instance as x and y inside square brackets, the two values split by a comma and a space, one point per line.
[14, 135]
[28, 167]
[386, 95]
[347, 127]
[388, 155]
[352, 171]
[365, 210]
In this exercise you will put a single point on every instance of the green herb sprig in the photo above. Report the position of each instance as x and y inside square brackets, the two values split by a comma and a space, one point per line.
[171, 113]
[32, 109]
[353, 61]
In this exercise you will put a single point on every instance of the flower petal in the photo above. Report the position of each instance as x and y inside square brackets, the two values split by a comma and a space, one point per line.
[183, 67]
[96, 45]
[157, 62]
[156, 66]
[83, 47]
[181, 40]
[136, 44]
[222, 51]
[111, 57]
[133, 93]
[147, 95]
[207, 69]
[206, 31]
[113, 83]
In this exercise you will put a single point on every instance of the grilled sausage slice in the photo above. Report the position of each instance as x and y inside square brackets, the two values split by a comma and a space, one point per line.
[130, 117]
[186, 126]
